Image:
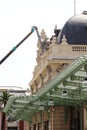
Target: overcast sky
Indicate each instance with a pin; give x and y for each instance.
(16, 19)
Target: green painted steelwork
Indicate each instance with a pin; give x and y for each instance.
(26, 107)
(70, 83)
(80, 78)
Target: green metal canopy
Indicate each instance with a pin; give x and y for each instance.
(69, 88)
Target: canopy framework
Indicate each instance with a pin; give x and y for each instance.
(66, 89)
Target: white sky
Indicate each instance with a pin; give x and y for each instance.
(16, 19)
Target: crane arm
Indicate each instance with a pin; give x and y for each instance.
(41, 44)
(15, 47)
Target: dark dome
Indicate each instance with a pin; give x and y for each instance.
(75, 30)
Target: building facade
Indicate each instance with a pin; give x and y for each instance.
(58, 87)
(64, 47)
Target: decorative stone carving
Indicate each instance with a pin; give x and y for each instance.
(49, 70)
(31, 88)
(36, 85)
(61, 66)
(41, 77)
(64, 40)
(43, 35)
(44, 42)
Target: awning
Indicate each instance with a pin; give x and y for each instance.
(69, 88)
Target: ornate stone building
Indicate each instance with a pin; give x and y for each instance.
(58, 97)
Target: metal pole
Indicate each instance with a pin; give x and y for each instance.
(74, 7)
(52, 117)
(81, 118)
(42, 119)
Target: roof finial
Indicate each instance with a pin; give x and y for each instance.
(74, 7)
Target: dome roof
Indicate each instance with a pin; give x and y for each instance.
(75, 30)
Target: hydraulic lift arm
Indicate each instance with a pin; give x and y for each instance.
(15, 47)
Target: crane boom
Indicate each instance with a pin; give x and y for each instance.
(15, 47)
(41, 44)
